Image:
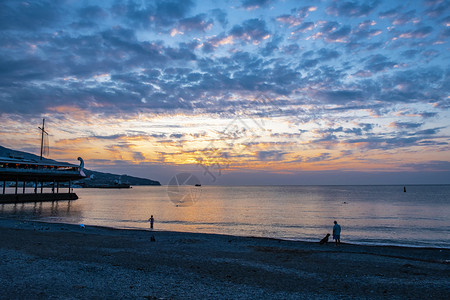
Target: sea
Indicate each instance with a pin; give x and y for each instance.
(371, 214)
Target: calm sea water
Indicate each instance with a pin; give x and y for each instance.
(367, 214)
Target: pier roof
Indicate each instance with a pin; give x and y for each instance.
(14, 169)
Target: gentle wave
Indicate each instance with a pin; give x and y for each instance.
(376, 215)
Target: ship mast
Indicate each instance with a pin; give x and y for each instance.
(42, 137)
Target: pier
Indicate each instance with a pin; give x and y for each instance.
(38, 173)
(16, 168)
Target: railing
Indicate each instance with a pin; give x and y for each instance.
(41, 170)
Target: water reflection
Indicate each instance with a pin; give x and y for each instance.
(55, 210)
(372, 214)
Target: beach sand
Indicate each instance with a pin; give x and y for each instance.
(61, 261)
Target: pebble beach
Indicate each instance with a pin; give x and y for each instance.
(62, 261)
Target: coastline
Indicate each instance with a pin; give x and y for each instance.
(47, 260)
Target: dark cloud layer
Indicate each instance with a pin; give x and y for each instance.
(54, 54)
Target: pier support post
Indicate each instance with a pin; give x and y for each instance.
(57, 187)
(17, 183)
(23, 188)
(4, 186)
(42, 187)
(35, 186)
(70, 182)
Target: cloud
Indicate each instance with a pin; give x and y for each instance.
(200, 22)
(147, 14)
(436, 8)
(92, 12)
(404, 18)
(433, 165)
(221, 16)
(273, 155)
(327, 54)
(363, 73)
(138, 156)
(426, 115)
(366, 24)
(173, 9)
(358, 131)
(297, 19)
(378, 63)
(333, 32)
(322, 157)
(391, 13)
(351, 9)
(432, 143)
(309, 63)
(339, 96)
(408, 86)
(365, 30)
(30, 15)
(406, 125)
(304, 27)
(419, 33)
(255, 4)
(176, 136)
(410, 54)
(88, 17)
(109, 137)
(385, 143)
(272, 46)
(251, 30)
(428, 132)
(291, 49)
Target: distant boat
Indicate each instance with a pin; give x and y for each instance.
(198, 184)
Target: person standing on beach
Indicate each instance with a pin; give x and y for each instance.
(337, 233)
(151, 220)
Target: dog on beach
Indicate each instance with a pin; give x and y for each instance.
(325, 239)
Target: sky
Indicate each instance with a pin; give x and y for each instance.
(235, 92)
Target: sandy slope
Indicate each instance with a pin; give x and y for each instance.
(42, 261)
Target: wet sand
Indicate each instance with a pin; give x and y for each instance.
(61, 261)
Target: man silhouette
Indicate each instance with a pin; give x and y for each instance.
(151, 220)
(337, 233)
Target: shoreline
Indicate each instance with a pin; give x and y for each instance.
(374, 244)
(43, 260)
(216, 235)
(228, 235)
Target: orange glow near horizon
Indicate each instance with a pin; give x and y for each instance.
(269, 144)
